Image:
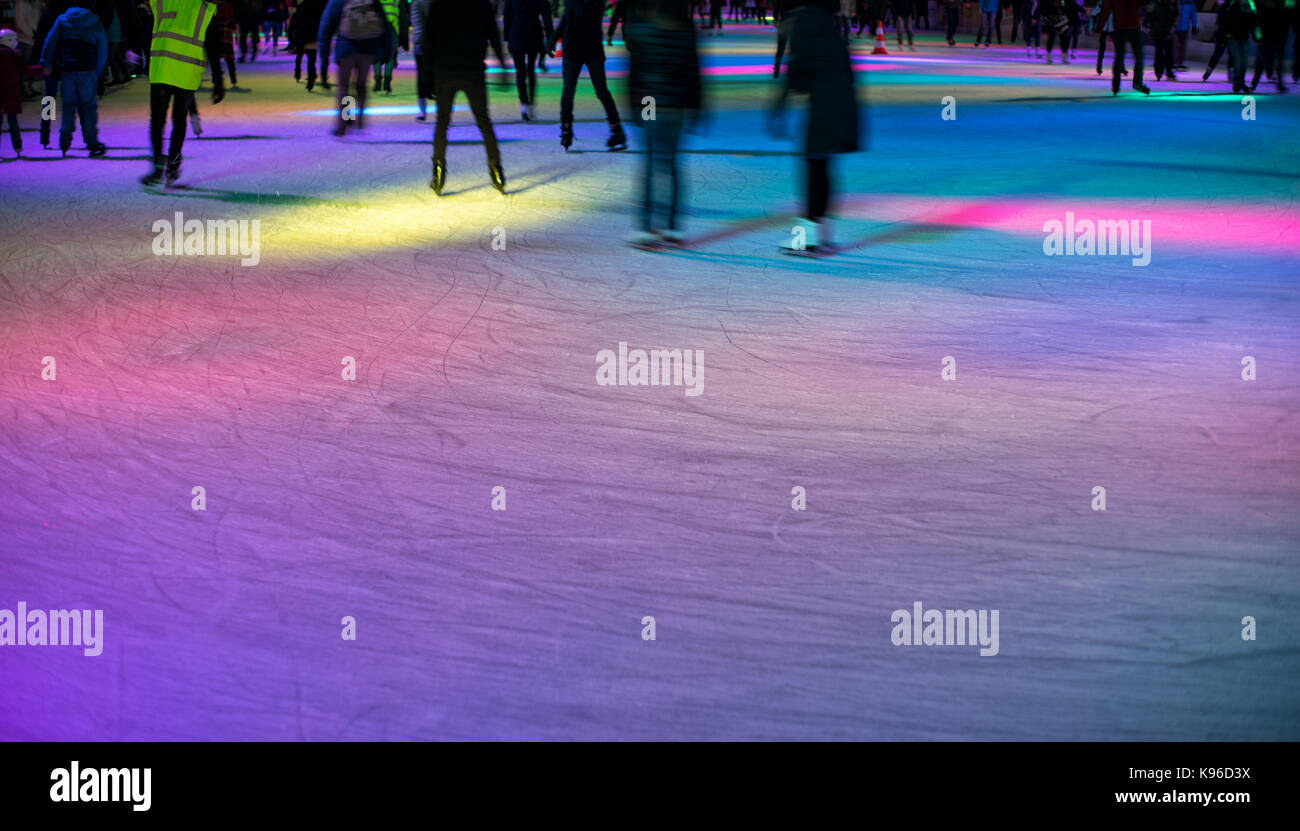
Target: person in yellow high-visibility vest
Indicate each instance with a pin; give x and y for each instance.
(183, 45)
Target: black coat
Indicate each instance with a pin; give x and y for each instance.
(305, 23)
(819, 66)
(527, 25)
(664, 63)
(581, 29)
(457, 34)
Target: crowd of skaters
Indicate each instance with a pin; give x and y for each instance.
(81, 49)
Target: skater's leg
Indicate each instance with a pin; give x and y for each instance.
(476, 91)
(819, 187)
(180, 112)
(1119, 39)
(530, 64)
(520, 60)
(596, 69)
(648, 177)
(671, 136)
(71, 93)
(311, 67)
(444, 95)
(159, 98)
(572, 68)
(15, 134)
(362, 71)
(88, 110)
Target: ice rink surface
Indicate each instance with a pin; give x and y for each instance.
(476, 368)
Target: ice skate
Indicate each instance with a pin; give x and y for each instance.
(617, 138)
(98, 150)
(498, 178)
(439, 176)
(196, 124)
(155, 176)
(566, 136)
(645, 240)
(805, 240)
(673, 237)
(173, 171)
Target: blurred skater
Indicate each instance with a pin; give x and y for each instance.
(363, 36)
(664, 65)
(528, 27)
(304, 26)
(819, 67)
(419, 14)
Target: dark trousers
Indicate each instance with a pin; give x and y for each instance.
(1063, 35)
(953, 13)
(1220, 46)
(1272, 46)
(986, 28)
(596, 69)
(1131, 38)
(900, 24)
(1238, 52)
(161, 96)
(1164, 59)
(79, 101)
(819, 186)
(422, 90)
(298, 52)
(1015, 21)
(474, 86)
(663, 137)
(1180, 47)
(1295, 48)
(246, 29)
(230, 66)
(525, 75)
(384, 68)
(1101, 49)
(355, 66)
(15, 135)
(1032, 30)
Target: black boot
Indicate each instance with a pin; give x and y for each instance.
(566, 135)
(439, 176)
(97, 150)
(45, 133)
(617, 138)
(173, 170)
(156, 175)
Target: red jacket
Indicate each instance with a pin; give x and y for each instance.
(1128, 13)
(11, 71)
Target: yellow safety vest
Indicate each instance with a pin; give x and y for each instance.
(176, 56)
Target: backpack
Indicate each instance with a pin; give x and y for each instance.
(361, 20)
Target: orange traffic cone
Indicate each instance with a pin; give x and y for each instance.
(559, 48)
(880, 39)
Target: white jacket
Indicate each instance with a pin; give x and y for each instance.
(27, 14)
